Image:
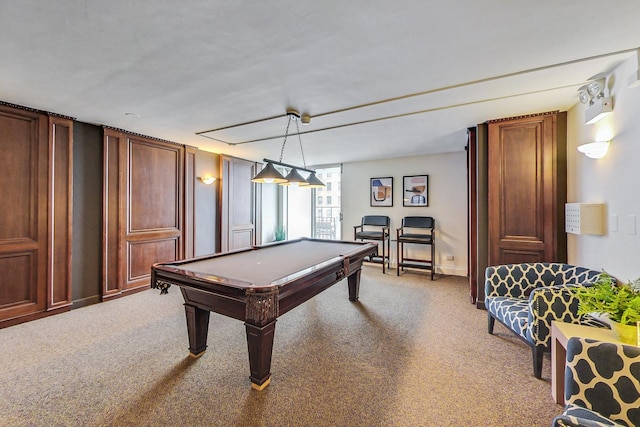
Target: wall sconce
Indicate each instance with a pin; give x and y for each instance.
(594, 150)
(593, 93)
(207, 179)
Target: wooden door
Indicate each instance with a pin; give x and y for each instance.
(527, 189)
(238, 225)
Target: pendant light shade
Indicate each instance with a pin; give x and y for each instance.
(269, 174)
(313, 181)
(294, 178)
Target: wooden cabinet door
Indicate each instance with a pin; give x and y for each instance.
(527, 189)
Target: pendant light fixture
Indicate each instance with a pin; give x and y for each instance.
(269, 174)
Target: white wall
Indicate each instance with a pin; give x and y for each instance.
(206, 203)
(270, 211)
(447, 202)
(613, 180)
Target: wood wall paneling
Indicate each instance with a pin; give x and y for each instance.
(61, 210)
(189, 202)
(526, 182)
(19, 285)
(113, 215)
(23, 228)
(35, 226)
(141, 253)
(144, 209)
(520, 192)
(472, 215)
(239, 210)
(153, 180)
(478, 216)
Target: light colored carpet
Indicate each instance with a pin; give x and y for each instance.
(411, 352)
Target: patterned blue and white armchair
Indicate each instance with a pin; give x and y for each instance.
(526, 298)
(601, 385)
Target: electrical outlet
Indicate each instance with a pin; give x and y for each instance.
(449, 257)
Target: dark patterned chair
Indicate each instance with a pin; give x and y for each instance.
(526, 298)
(602, 385)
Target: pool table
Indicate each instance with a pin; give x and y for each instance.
(257, 285)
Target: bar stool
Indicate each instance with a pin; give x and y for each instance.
(417, 230)
(375, 227)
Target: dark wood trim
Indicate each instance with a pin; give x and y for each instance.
(139, 135)
(472, 214)
(60, 211)
(33, 110)
(482, 214)
(526, 116)
(189, 202)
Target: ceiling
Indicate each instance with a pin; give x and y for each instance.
(380, 79)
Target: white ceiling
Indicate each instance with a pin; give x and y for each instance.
(184, 67)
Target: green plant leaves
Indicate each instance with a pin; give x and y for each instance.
(620, 302)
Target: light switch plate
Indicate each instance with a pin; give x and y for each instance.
(631, 224)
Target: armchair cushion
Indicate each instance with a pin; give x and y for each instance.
(575, 416)
(602, 382)
(513, 312)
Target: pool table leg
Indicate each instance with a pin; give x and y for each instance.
(198, 328)
(260, 345)
(354, 285)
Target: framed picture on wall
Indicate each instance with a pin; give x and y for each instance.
(415, 190)
(381, 191)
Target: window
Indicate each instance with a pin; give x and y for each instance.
(326, 221)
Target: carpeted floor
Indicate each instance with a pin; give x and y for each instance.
(411, 352)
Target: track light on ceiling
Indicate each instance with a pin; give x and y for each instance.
(593, 93)
(270, 174)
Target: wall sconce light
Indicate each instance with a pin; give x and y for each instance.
(594, 150)
(207, 179)
(593, 93)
